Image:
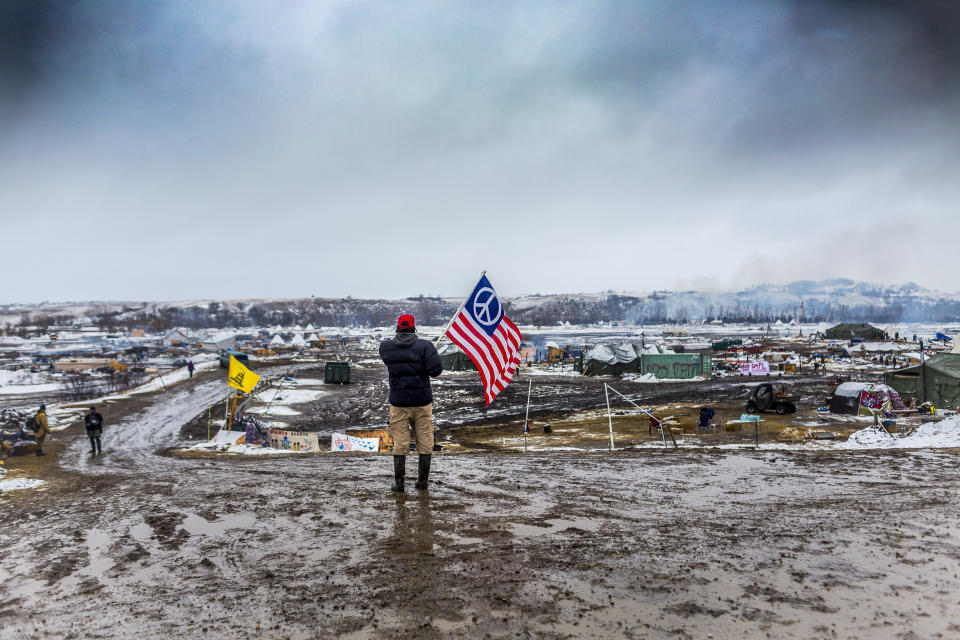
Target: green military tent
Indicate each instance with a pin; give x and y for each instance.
(454, 359)
(846, 331)
(936, 381)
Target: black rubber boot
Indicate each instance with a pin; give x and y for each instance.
(399, 469)
(423, 471)
(99, 448)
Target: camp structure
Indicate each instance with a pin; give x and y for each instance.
(937, 381)
(877, 348)
(676, 366)
(277, 341)
(554, 352)
(454, 358)
(847, 331)
(220, 342)
(860, 398)
(176, 338)
(609, 360)
(615, 360)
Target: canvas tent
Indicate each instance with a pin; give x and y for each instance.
(936, 381)
(454, 358)
(610, 360)
(846, 331)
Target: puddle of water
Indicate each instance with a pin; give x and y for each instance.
(97, 542)
(195, 525)
(20, 587)
(458, 539)
(555, 526)
(141, 532)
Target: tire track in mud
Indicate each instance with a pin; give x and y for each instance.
(132, 444)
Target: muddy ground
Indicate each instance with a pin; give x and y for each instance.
(649, 543)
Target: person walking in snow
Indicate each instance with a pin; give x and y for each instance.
(190, 368)
(93, 421)
(411, 362)
(43, 428)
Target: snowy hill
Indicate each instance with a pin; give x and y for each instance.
(823, 301)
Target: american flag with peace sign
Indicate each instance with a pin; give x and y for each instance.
(488, 337)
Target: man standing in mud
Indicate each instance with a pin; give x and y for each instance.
(93, 421)
(411, 362)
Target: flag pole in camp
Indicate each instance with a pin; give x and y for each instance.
(455, 314)
(286, 375)
(606, 392)
(526, 420)
(243, 380)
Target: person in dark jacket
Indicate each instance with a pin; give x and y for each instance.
(93, 421)
(411, 362)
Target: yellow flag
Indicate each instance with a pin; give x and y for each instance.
(239, 377)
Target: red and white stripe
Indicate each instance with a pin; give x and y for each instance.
(496, 357)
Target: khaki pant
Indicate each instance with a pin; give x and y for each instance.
(421, 419)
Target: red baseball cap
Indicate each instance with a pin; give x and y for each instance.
(406, 320)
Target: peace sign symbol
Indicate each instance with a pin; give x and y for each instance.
(481, 307)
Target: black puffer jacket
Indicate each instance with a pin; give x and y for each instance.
(410, 362)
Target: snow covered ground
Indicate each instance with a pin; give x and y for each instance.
(213, 446)
(15, 484)
(933, 435)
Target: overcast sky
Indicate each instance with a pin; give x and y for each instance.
(173, 150)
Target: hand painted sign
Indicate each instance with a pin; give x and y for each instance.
(343, 442)
(294, 440)
(754, 368)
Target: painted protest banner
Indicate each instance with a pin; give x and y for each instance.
(386, 442)
(343, 442)
(754, 368)
(293, 440)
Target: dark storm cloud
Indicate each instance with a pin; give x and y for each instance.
(146, 127)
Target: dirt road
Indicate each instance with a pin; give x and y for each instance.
(641, 544)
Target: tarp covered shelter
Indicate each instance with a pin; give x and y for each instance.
(858, 398)
(936, 381)
(454, 358)
(846, 331)
(610, 360)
